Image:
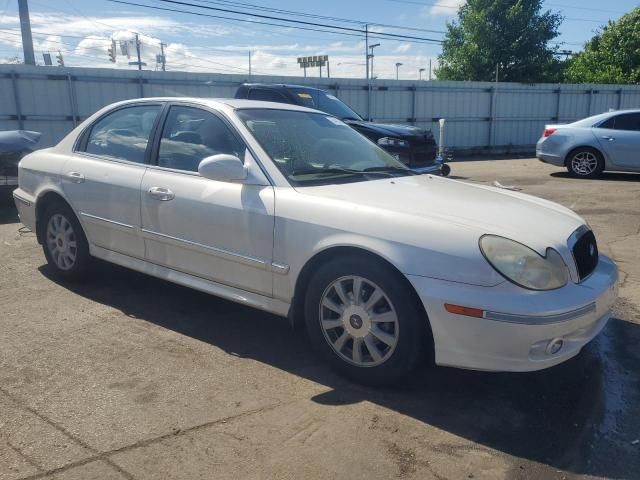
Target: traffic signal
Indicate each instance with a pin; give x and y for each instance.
(112, 52)
(60, 59)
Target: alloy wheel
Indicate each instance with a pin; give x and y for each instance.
(359, 321)
(61, 242)
(584, 163)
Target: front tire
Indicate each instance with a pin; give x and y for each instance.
(585, 163)
(362, 318)
(64, 243)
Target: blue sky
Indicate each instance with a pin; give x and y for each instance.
(82, 30)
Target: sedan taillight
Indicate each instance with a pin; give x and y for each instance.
(548, 131)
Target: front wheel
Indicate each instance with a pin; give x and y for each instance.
(445, 170)
(585, 163)
(364, 321)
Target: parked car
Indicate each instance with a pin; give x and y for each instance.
(14, 144)
(609, 141)
(413, 146)
(290, 210)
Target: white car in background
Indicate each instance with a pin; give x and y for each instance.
(290, 210)
(609, 141)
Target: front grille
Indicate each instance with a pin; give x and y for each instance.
(585, 254)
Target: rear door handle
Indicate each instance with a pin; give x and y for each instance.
(75, 177)
(161, 193)
(607, 137)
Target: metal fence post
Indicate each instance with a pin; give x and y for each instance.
(558, 98)
(413, 105)
(590, 92)
(140, 85)
(619, 99)
(16, 96)
(72, 100)
(492, 112)
(369, 101)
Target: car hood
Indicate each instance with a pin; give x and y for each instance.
(475, 208)
(387, 129)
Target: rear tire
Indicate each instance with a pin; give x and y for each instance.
(64, 242)
(375, 342)
(585, 162)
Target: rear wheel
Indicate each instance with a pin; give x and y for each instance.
(585, 163)
(64, 243)
(364, 321)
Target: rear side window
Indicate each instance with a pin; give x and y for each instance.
(627, 121)
(265, 95)
(123, 134)
(190, 135)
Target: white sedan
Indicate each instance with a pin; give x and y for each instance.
(291, 211)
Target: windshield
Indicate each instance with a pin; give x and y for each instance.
(323, 101)
(311, 148)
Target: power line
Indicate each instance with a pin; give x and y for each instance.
(289, 20)
(452, 7)
(317, 16)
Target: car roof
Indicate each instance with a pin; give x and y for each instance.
(280, 86)
(234, 103)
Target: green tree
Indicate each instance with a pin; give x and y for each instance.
(612, 55)
(513, 35)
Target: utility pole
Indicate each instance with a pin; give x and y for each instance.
(25, 27)
(371, 47)
(249, 63)
(429, 69)
(328, 74)
(138, 52)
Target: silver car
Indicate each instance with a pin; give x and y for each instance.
(609, 141)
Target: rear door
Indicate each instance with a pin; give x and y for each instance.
(102, 178)
(620, 139)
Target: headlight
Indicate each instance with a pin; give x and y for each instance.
(392, 142)
(522, 265)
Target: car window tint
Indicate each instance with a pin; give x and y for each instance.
(190, 135)
(123, 134)
(608, 123)
(628, 121)
(265, 95)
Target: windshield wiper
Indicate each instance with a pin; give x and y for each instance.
(389, 169)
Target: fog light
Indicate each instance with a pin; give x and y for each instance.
(554, 346)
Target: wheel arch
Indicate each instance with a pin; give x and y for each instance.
(590, 147)
(43, 200)
(302, 281)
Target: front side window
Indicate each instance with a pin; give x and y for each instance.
(123, 134)
(315, 148)
(190, 135)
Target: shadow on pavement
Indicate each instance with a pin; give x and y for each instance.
(606, 176)
(580, 416)
(8, 212)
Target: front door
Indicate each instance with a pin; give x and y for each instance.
(102, 178)
(220, 231)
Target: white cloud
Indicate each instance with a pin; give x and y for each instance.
(443, 7)
(402, 48)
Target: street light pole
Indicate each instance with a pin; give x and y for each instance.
(398, 65)
(370, 56)
(420, 73)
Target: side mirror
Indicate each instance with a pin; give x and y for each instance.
(222, 167)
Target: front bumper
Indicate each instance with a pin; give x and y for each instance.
(519, 324)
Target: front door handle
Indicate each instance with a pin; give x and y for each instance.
(161, 193)
(75, 177)
(607, 137)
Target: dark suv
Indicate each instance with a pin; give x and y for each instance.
(413, 146)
